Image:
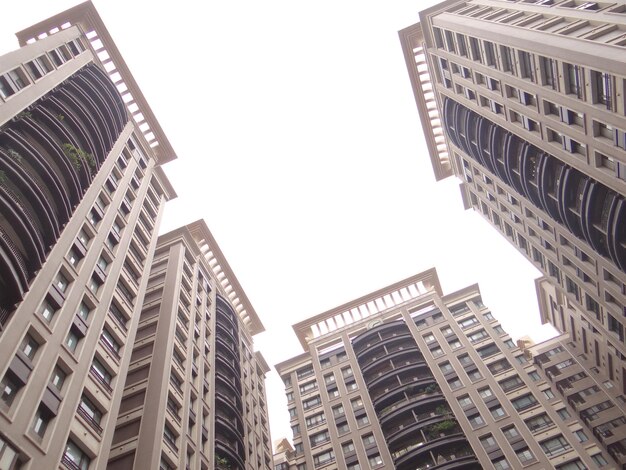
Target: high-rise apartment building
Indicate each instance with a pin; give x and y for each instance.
(194, 395)
(82, 194)
(579, 374)
(524, 101)
(407, 377)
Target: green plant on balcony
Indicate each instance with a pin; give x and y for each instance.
(78, 155)
(22, 115)
(3, 177)
(60, 117)
(442, 410)
(14, 155)
(432, 388)
(222, 462)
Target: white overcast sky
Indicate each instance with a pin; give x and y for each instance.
(299, 143)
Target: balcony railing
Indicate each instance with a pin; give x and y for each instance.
(109, 348)
(83, 413)
(98, 378)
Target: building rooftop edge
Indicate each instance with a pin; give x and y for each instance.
(86, 16)
(428, 277)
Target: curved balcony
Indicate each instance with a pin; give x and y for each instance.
(386, 346)
(593, 212)
(423, 409)
(392, 360)
(224, 449)
(42, 185)
(225, 328)
(384, 355)
(372, 336)
(396, 371)
(409, 392)
(227, 346)
(226, 403)
(417, 451)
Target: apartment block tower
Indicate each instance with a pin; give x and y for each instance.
(81, 197)
(577, 373)
(407, 377)
(194, 394)
(524, 101)
(82, 194)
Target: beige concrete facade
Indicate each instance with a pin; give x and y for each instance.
(579, 373)
(407, 377)
(84, 334)
(194, 395)
(524, 101)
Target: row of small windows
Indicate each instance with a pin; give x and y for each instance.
(532, 67)
(20, 77)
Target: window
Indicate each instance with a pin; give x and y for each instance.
(573, 79)
(319, 438)
(548, 394)
(338, 411)
(351, 386)
(521, 359)
(599, 459)
(29, 346)
(312, 402)
(362, 420)
(454, 344)
(602, 88)
(474, 375)
(485, 393)
(308, 387)
(292, 413)
(368, 440)
(375, 461)
(455, 383)
(75, 456)
(343, 428)
(429, 338)
(61, 282)
(573, 465)
(436, 351)
(501, 464)
(357, 403)
(555, 446)
(464, 401)
(563, 414)
(329, 379)
(508, 62)
(510, 433)
(47, 311)
(83, 311)
(478, 336)
(525, 455)
(476, 420)
(524, 402)
(468, 322)
(488, 441)
(40, 423)
(71, 341)
(465, 360)
(538, 423)
(446, 367)
(9, 386)
(315, 420)
(73, 257)
(90, 411)
(581, 436)
(347, 448)
(527, 66)
(58, 378)
(324, 458)
(497, 412)
(446, 331)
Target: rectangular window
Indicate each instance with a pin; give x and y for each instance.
(527, 66)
